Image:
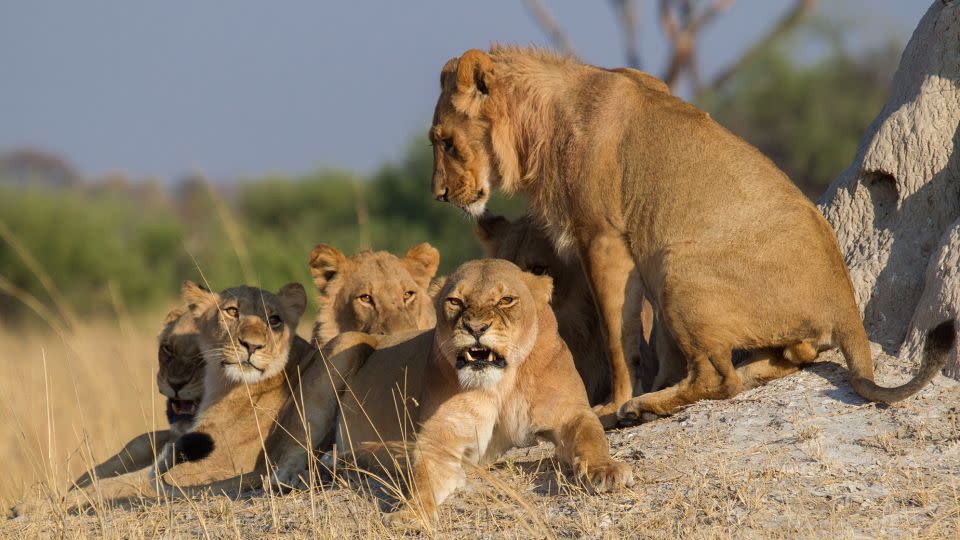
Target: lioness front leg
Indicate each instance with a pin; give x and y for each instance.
(459, 431)
(582, 445)
(322, 385)
(136, 455)
(607, 263)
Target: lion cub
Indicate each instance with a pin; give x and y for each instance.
(492, 375)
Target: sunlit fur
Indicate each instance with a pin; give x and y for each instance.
(237, 339)
(393, 387)
(732, 253)
(373, 291)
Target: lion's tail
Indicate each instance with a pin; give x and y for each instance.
(856, 350)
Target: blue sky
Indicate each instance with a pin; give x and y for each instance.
(243, 88)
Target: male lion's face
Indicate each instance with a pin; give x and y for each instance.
(487, 319)
(373, 292)
(246, 331)
(180, 372)
(463, 167)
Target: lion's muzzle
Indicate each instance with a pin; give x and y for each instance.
(478, 358)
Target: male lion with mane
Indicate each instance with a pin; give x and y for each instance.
(729, 251)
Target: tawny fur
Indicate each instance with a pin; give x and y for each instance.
(373, 291)
(730, 252)
(390, 386)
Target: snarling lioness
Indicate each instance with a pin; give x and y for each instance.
(730, 252)
(492, 375)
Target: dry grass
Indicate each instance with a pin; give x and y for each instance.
(801, 457)
(65, 397)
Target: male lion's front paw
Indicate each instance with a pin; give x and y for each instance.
(607, 413)
(608, 476)
(636, 412)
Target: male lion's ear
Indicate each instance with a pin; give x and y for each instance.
(294, 299)
(197, 298)
(326, 262)
(490, 231)
(541, 287)
(422, 261)
(474, 79)
(448, 74)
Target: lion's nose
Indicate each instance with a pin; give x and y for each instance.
(177, 386)
(476, 329)
(441, 196)
(251, 347)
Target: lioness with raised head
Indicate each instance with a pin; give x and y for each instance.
(492, 375)
(730, 252)
(373, 291)
(180, 380)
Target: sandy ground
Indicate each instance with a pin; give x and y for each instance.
(802, 457)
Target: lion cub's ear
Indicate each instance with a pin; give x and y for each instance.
(294, 300)
(174, 315)
(326, 262)
(541, 287)
(474, 80)
(422, 261)
(491, 230)
(197, 298)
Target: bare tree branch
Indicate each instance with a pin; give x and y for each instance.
(784, 25)
(627, 15)
(549, 25)
(682, 24)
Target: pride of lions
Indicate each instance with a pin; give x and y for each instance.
(657, 248)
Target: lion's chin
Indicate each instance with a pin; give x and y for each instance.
(479, 367)
(246, 372)
(476, 208)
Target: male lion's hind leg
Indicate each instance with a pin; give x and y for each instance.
(709, 376)
(765, 365)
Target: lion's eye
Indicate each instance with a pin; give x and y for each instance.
(275, 322)
(408, 295)
(232, 311)
(166, 350)
(538, 269)
(447, 145)
(365, 298)
(506, 301)
(455, 302)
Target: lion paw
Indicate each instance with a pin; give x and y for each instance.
(635, 412)
(405, 518)
(609, 476)
(607, 413)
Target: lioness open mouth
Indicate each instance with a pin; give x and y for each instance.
(180, 408)
(479, 357)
